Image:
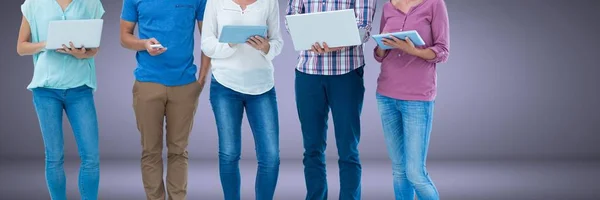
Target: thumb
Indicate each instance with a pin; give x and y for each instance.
(407, 39)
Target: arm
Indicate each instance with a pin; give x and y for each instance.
(274, 33)
(128, 39)
(204, 63)
(380, 54)
(294, 7)
(439, 52)
(24, 45)
(129, 17)
(365, 12)
(210, 44)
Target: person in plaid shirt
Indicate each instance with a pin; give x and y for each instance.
(332, 78)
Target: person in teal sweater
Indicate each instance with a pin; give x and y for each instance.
(63, 80)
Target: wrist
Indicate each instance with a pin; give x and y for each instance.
(415, 51)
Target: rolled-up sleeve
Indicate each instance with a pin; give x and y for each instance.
(365, 12)
(274, 32)
(381, 26)
(210, 44)
(441, 33)
(294, 7)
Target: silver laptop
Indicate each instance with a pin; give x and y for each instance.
(81, 32)
(336, 28)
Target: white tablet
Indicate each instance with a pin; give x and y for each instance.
(81, 32)
(336, 28)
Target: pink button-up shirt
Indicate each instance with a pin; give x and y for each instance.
(408, 77)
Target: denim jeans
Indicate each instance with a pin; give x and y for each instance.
(78, 103)
(406, 128)
(228, 107)
(343, 94)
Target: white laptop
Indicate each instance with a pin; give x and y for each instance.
(336, 28)
(81, 32)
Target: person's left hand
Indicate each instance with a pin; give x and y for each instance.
(259, 43)
(405, 45)
(79, 53)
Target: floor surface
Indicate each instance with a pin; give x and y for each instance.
(456, 180)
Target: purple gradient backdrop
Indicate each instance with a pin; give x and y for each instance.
(521, 83)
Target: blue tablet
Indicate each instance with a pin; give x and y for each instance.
(241, 34)
(412, 35)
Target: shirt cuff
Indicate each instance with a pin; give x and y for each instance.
(440, 55)
(380, 58)
(270, 55)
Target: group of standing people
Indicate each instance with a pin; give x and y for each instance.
(167, 90)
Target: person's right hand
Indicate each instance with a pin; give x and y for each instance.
(325, 49)
(154, 51)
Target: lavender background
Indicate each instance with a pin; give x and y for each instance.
(521, 83)
(516, 115)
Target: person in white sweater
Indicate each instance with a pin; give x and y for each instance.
(243, 80)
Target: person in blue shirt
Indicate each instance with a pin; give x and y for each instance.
(63, 80)
(166, 86)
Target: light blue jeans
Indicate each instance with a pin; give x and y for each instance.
(78, 103)
(406, 128)
(228, 107)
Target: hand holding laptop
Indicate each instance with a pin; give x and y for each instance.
(317, 48)
(79, 53)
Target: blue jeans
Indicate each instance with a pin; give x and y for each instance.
(78, 103)
(407, 127)
(343, 94)
(228, 107)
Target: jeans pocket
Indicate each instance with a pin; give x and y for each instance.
(360, 72)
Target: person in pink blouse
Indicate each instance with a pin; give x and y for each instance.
(406, 90)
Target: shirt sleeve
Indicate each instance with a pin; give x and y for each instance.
(441, 33)
(98, 10)
(274, 32)
(27, 9)
(381, 26)
(210, 44)
(200, 10)
(294, 7)
(130, 11)
(365, 12)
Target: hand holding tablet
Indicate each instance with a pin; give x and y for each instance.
(391, 40)
(241, 34)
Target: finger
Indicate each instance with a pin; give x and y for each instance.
(408, 41)
(256, 41)
(314, 49)
(396, 39)
(72, 46)
(66, 48)
(260, 39)
(318, 46)
(252, 43)
(83, 50)
(326, 47)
